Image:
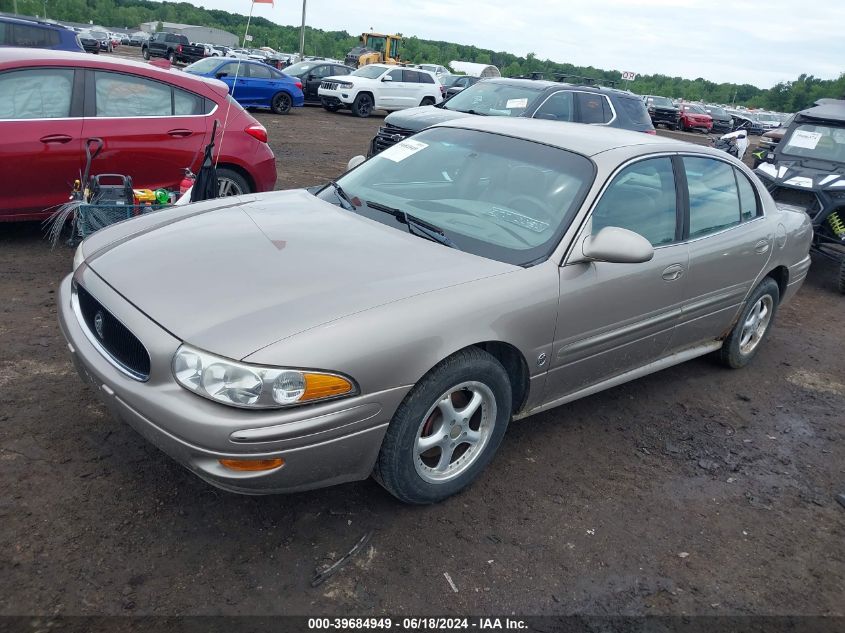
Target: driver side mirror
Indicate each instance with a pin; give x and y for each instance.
(221, 75)
(354, 162)
(387, 78)
(309, 77)
(617, 246)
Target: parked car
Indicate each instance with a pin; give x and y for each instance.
(114, 38)
(455, 83)
(662, 111)
(764, 153)
(807, 172)
(138, 39)
(743, 120)
(125, 39)
(529, 263)
(381, 87)
(37, 34)
(173, 47)
(223, 51)
(154, 122)
(527, 98)
(767, 120)
(252, 84)
(722, 121)
(438, 71)
(208, 49)
(693, 117)
(89, 42)
(311, 75)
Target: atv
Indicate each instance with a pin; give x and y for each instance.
(808, 172)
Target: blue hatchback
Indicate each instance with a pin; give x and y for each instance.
(38, 34)
(252, 84)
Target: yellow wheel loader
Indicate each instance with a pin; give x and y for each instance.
(375, 48)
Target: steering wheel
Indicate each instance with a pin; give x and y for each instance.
(533, 203)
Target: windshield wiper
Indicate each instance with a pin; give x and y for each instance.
(470, 111)
(345, 201)
(416, 226)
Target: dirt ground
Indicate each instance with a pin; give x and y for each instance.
(696, 490)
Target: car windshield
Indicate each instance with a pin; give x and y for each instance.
(661, 101)
(822, 142)
(450, 80)
(369, 72)
(694, 109)
(203, 66)
(499, 197)
(100, 35)
(714, 111)
(492, 98)
(768, 118)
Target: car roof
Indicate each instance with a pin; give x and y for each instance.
(827, 109)
(6, 18)
(587, 140)
(545, 84)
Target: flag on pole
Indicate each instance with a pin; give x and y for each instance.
(270, 2)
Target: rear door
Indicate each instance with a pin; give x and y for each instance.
(41, 126)
(613, 318)
(263, 84)
(152, 131)
(730, 243)
(593, 108)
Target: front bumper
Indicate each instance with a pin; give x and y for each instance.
(322, 444)
(339, 96)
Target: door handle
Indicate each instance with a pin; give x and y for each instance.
(56, 138)
(180, 133)
(762, 247)
(673, 272)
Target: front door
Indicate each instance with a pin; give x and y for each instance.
(152, 131)
(730, 243)
(393, 93)
(615, 317)
(311, 81)
(41, 154)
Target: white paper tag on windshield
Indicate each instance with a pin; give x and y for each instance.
(516, 103)
(401, 151)
(806, 140)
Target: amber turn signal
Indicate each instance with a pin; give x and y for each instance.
(318, 386)
(252, 465)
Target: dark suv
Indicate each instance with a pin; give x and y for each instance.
(37, 34)
(527, 98)
(662, 111)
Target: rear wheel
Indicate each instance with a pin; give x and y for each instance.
(363, 105)
(171, 57)
(447, 429)
(145, 53)
(231, 183)
(842, 275)
(281, 103)
(752, 327)
(427, 101)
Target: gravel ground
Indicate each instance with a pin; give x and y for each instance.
(697, 490)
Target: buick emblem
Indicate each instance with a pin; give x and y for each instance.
(98, 324)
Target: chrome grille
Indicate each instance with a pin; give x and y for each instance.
(388, 135)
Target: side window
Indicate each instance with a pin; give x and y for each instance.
(260, 71)
(558, 107)
(3, 34)
(231, 70)
(713, 195)
(634, 109)
(321, 71)
(396, 75)
(340, 70)
(33, 36)
(120, 95)
(748, 207)
(641, 199)
(425, 78)
(43, 93)
(593, 108)
(186, 103)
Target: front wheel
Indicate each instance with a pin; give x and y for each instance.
(231, 183)
(172, 57)
(752, 327)
(281, 103)
(146, 53)
(363, 105)
(447, 429)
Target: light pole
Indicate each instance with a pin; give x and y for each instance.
(301, 34)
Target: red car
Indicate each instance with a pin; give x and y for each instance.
(693, 117)
(154, 124)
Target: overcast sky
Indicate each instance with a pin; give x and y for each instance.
(760, 42)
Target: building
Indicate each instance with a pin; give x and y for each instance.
(204, 34)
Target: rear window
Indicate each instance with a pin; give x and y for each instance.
(31, 36)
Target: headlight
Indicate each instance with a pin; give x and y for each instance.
(254, 386)
(345, 84)
(78, 258)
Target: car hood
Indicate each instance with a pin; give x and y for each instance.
(419, 118)
(234, 279)
(808, 174)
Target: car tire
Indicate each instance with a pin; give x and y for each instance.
(753, 325)
(281, 103)
(231, 183)
(363, 105)
(842, 275)
(427, 101)
(146, 53)
(171, 57)
(415, 471)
